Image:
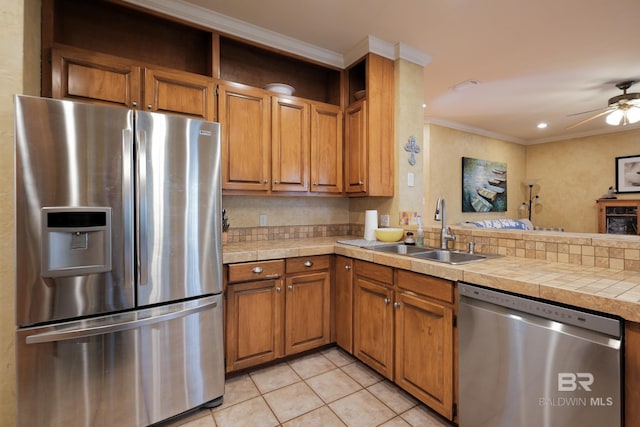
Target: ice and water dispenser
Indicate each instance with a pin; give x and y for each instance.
(75, 241)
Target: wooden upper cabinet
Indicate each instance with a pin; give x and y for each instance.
(356, 148)
(326, 148)
(177, 92)
(87, 76)
(244, 116)
(370, 129)
(289, 144)
(104, 79)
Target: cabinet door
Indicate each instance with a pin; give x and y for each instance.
(177, 92)
(373, 325)
(244, 116)
(307, 312)
(356, 148)
(86, 76)
(289, 145)
(424, 351)
(254, 323)
(344, 303)
(326, 148)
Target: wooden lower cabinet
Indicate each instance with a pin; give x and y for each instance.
(424, 351)
(632, 374)
(254, 323)
(343, 305)
(373, 316)
(271, 314)
(307, 304)
(403, 329)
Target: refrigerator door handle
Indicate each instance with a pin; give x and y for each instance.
(84, 332)
(127, 204)
(142, 210)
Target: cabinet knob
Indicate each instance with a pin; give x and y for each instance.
(347, 267)
(276, 182)
(315, 183)
(150, 106)
(290, 288)
(360, 182)
(308, 263)
(134, 103)
(257, 270)
(387, 301)
(266, 181)
(396, 304)
(278, 288)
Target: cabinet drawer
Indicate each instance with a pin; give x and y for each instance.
(379, 273)
(308, 263)
(429, 286)
(256, 271)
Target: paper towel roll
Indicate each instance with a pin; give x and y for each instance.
(370, 224)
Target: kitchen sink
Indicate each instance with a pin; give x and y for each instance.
(401, 248)
(450, 257)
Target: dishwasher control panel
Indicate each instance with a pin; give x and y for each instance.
(550, 311)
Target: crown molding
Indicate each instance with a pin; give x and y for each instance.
(235, 27)
(477, 131)
(413, 55)
(241, 29)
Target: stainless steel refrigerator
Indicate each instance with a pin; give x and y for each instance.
(118, 264)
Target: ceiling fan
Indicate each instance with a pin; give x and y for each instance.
(622, 109)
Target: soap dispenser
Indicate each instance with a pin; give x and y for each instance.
(420, 234)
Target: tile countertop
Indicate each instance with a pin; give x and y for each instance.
(606, 290)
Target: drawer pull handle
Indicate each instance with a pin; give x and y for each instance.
(272, 276)
(257, 270)
(308, 263)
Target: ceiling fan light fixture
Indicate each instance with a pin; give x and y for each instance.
(633, 114)
(615, 117)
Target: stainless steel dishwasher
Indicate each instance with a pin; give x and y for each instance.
(528, 363)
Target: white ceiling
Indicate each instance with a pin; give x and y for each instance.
(536, 60)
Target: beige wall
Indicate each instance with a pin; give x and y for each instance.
(574, 173)
(19, 73)
(445, 148)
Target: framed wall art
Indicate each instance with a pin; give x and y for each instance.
(628, 174)
(484, 186)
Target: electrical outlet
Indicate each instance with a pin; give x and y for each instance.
(384, 221)
(263, 220)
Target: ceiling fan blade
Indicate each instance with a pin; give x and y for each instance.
(588, 119)
(588, 111)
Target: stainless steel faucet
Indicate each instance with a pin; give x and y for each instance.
(446, 234)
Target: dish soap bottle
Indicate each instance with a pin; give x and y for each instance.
(420, 232)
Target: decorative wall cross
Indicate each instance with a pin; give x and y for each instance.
(412, 148)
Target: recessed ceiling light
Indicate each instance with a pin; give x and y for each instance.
(542, 125)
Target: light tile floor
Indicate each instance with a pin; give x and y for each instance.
(324, 389)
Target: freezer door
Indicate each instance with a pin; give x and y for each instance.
(132, 369)
(74, 210)
(179, 208)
